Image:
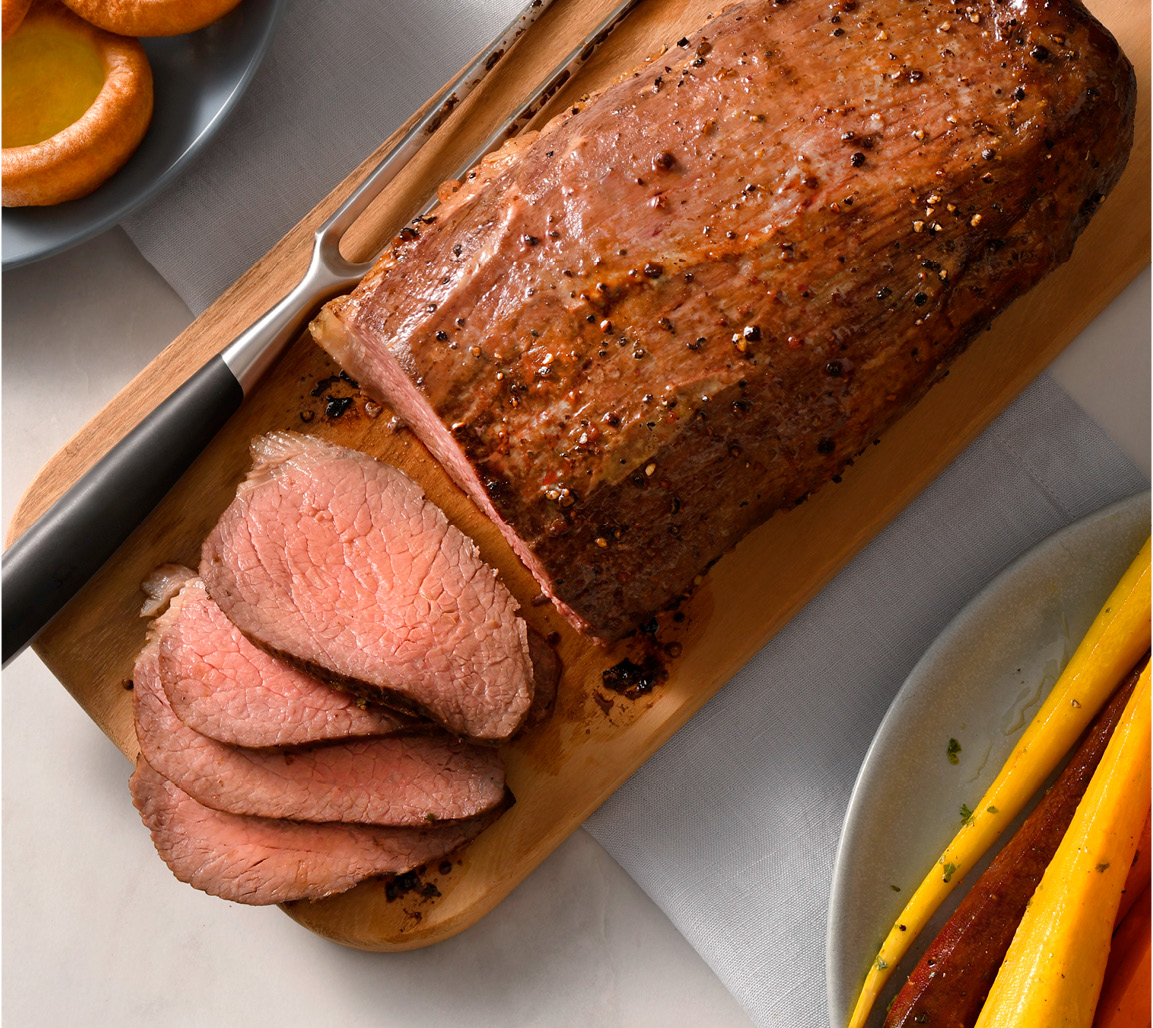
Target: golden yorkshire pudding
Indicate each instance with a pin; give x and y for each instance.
(11, 15)
(151, 17)
(77, 101)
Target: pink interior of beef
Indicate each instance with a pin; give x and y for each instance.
(264, 860)
(340, 564)
(397, 779)
(408, 403)
(224, 687)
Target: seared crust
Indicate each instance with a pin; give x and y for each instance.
(151, 17)
(88, 152)
(693, 300)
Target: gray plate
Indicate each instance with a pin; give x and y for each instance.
(198, 79)
(980, 682)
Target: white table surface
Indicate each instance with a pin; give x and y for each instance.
(97, 931)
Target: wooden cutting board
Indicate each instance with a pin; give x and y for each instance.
(561, 771)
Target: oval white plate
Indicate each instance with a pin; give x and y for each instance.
(979, 683)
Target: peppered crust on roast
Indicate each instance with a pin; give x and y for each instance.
(691, 301)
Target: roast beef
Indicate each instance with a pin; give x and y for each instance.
(262, 860)
(546, 671)
(161, 586)
(222, 686)
(691, 301)
(402, 779)
(338, 564)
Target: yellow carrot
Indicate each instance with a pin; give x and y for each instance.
(1053, 971)
(1115, 641)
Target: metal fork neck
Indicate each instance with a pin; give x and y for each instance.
(252, 352)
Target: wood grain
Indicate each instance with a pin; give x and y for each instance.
(563, 770)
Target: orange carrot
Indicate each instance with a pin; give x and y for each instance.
(1125, 998)
(951, 980)
(1114, 642)
(1055, 966)
(1138, 879)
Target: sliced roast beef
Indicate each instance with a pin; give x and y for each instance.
(693, 300)
(263, 860)
(401, 779)
(162, 586)
(546, 670)
(222, 686)
(337, 563)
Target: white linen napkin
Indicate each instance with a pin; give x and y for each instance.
(732, 826)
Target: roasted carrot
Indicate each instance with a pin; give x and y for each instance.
(1138, 880)
(1117, 638)
(1125, 1000)
(950, 982)
(1052, 973)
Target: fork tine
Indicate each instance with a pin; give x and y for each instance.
(58, 554)
(421, 131)
(344, 216)
(531, 107)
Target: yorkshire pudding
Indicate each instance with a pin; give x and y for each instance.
(151, 17)
(11, 15)
(76, 103)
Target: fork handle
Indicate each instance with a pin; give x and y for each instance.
(69, 543)
(58, 554)
(53, 559)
